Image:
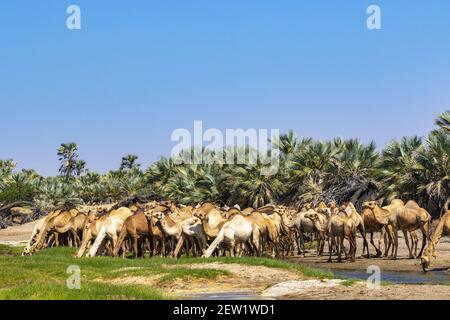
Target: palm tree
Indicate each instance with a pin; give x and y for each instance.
(350, 176)
(306, 173)
(286, 143)
(398, 168)
(443, 121)
(68, 156)
(80, 168)
(6, 171)
(249, 188)
(129, 162)
(433, 183)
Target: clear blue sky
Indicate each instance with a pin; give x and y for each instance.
(140, 69)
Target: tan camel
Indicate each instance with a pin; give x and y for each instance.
(212, 221)
(339, 227)
(135, 227)
(356, 217)
(407, 218)
(91, 230)
(311, 223)
(171, 228)
(158, 238)
(235, 232)
(372, 225)
(443, 228)
(109, 230)
(193, 232)
(41, 225)
(58, 224)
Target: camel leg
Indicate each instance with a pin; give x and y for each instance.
(134, 240)
(302, 243)
(362, 231)
(405, 233)
(373, 244)
(331, 245)
(299, 243)
(163, 247)
(395, 248)
(424, 243)
(178, 247)
(340, 246)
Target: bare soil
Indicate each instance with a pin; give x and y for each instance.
(244, 278)
(359, 291)
(17, 235)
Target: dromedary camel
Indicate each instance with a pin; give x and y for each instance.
(443, 228)
(372, 225)
(37, 229)
(136, 227)
(407, 218)
(193, 232)
(109, 230)
(237, 231)
(342, 226)
(356, 217)
(59, 224)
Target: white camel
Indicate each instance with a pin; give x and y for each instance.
(110, 229)
(235, 232)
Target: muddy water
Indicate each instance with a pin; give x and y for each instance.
(396, 277)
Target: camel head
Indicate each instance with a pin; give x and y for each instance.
(370, 205)
(26, 251)
(158, 215)
(425, 261)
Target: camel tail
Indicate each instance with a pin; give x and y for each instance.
(215, 244)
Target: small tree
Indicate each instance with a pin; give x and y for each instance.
(129, 162)
(68, 156)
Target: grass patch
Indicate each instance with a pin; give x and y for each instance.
(88, 291)
(349, 282)
(44, 275)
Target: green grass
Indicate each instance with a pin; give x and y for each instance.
(44, 275)
(350, 282)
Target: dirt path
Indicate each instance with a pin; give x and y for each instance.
(17, 235)
(359, 291)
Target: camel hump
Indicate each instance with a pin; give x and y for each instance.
(411, 204)
(397, 202)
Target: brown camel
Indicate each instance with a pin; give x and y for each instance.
(407, 218)
(443, 228)
(136, 227)
(342, 226)
(58, 224)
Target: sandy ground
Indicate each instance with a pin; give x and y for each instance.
(403, 263)
(359, 291)
(258, 280)
(17, 235)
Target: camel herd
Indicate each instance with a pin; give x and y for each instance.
(165, 229)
